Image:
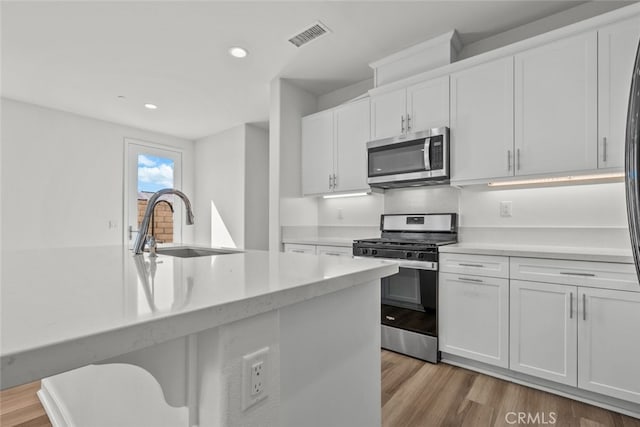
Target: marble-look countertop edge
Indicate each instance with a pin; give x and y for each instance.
(30, 364)
(546, 252)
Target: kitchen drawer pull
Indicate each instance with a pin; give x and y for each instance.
(390, 318)
(332, 253)
(298, 251)
(467, 279)
(567, 273)
(471, 265)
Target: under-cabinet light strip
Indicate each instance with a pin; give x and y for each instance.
(335, 196)
(553, 180)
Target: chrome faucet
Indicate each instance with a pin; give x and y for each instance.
(141, 239)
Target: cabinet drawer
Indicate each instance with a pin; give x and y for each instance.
(334, 250)
(300, 249)
(479, 265)
(583, 273)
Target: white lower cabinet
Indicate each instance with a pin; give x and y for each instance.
(544, 330)
(575, 323)
(300, 249)
(474, 317)
(578, 336)
(318, 249)
(334, 250)
(609, 343)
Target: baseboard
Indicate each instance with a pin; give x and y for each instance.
(612, 404)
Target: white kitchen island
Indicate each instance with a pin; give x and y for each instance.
(189, 322)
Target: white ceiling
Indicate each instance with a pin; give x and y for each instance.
(80, 56)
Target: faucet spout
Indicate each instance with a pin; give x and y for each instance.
(138, 246)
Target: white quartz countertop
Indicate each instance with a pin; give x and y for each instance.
(550, 252)
(66, 308)
(322, 241)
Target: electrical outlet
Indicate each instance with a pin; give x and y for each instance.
(257, 373)
(505, 209)
(255, 368)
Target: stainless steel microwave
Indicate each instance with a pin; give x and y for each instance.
(420, 158)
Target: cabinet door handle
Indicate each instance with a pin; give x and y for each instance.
(584, 306)
(332, 253)
(604, 149)
(518, 159)
(298, 251)
(568, 273)
(570, 305)
(468, 279)
(508, 160)
(471, 265)
(335, 181)
(390, 318)
(401, 124)
(330, 186)
(408, 123)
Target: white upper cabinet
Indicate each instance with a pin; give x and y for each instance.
(317, 153)
(351, 123)
(556, 106)
(424, 105)
(334, 155)
(617, 46)
(482, 121)
(428, 105)
(388, 111)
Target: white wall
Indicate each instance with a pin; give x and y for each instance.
(256, 215)
(439, 199)
(351, 211)
(62, 177)
(342, 95)
(286, 204)
(219, 162)
(596, 205)
(567, 17)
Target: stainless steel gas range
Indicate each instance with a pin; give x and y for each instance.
(410, 297)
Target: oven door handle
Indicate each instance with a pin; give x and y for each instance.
(402, 263)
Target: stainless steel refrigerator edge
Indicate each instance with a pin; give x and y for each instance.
(632, 162)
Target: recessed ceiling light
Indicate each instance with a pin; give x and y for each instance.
(238, 52)
(151, 106)
(122, 97)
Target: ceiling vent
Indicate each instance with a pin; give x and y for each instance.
(310, 33)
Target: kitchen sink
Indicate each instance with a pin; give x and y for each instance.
(191, 251)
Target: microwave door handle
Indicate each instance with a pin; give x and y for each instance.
(427, 154)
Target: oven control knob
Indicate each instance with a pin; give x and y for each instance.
(421, 255)
(409, 255)
(365, 251)
(373, 252)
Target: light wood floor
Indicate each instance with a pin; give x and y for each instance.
(414, 394)
(419, 394)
